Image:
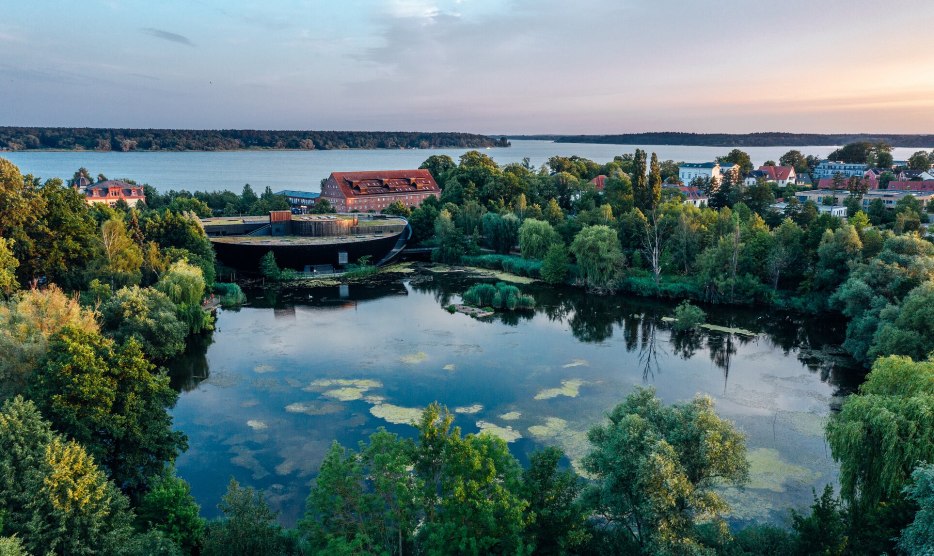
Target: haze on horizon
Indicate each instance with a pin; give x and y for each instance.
(486, 66)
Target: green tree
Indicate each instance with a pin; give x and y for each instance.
(453, 243)
(824, 530)
(560, 520)
(907, 329)
(367, 499)
(248, 527)
(8, 265)
(918, 538)
(500, 231)
(641, 194)
(54, 496)
(741, 159)
(112, 401)
(148, 316)
(184, 285)
(439, 166)
(837, 249)
(555, 265)
(797, 160)
(471, 490)
(170, 508)
(654, 190)
(27, 322)
(536, 237)
(656, 469)
(269, 268)
(599, 257)
(398, 208)
(919, 162)
(882, 433)
(121, 258)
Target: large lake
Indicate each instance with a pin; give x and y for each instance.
(304, 170)
(282, 378)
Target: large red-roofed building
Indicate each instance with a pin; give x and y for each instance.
(374, 191)
(112, 191)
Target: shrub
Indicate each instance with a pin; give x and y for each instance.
(501, 296)
(688, 317)
(230, 294)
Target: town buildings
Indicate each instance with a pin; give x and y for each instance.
(688, 171)
(828, 168)
(376, 190)
(889, 198)
(782, 175)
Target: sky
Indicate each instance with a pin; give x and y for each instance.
(484, 66)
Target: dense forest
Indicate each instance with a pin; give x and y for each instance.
(124, 140)
(93, 300)
(768, 139)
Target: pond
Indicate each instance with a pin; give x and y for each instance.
(281, 379)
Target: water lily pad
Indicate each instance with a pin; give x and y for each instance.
(569, 388)
(396, 414)
(508, 434)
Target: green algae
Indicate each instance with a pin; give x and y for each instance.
(344, 389)
(510, 416)
(257, 425)
(414, 358)
(555, 430)
(264, 368)
(507, 433)
(448, 367)
(576, 363)
(569, 388)
(469, 409)
(395, 414)
(768, 471)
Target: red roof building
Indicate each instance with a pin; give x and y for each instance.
(782, 175)
(599, 182)
(926, 185)
(374, 191)
(827, 183)
(112, 191)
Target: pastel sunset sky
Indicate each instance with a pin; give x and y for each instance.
(488, 66)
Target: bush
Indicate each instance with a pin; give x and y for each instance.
(230, 294)
(688, 317)
(507, 263)
(555, 266)
(501, 296)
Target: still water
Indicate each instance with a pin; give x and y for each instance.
(304, 170)
(282, 378)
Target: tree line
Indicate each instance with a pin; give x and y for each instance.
(768, 139)
(125, 140)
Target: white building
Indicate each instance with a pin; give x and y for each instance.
(688, 172)
(827, 169)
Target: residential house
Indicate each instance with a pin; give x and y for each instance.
(754, 177)
(926, 185)
(599, 183)
(688, 171)
(782, 175)
(376, 190)
(111, 192)
(888, 197)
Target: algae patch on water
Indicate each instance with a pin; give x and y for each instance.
(257, 425)
(555, 430)
(508, 434)
(768, 471)
(414, 358)
(469, 409)
(576, 363)
(448, 367)
(569, 388)
(511, 416)
(263, 368)
(343, 389)
(396, 414)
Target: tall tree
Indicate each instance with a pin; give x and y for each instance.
(640, 186)
(112, 400)
(599, 257)
(656, 469)
(248, 527)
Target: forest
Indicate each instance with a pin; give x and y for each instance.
(767, 139)
(126, 140)
(96, 299)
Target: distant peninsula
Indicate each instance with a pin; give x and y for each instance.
(768, 139)
(126, 140)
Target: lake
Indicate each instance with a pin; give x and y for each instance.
(304, 170)
(282, 378)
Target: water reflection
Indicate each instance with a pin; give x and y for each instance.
(251, 410)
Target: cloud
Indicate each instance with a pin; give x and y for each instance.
(165, 35)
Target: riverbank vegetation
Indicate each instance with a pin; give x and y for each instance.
(128, 140)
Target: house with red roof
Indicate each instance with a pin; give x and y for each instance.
(599, 183)
(925, 185)
(782, 175)
(376, 190)
(112, 191)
